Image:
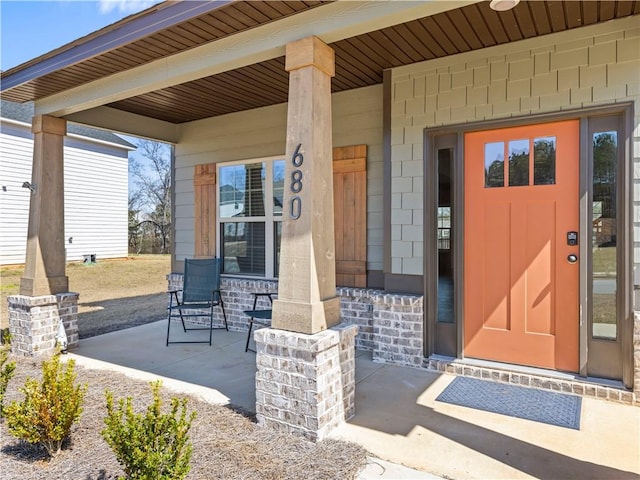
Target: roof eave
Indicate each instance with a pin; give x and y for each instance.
(123, 32)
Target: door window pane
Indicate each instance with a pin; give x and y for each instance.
(518, 163)
(494, 164)
(243, 247)
(242, 190)
(544, 161)
(605, 265)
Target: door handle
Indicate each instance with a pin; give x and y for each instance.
(572, 258)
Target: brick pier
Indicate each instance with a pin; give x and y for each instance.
(34, 322)
(305, 384)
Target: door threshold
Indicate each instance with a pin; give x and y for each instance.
(545, 379)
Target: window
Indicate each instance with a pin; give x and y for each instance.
(519, 164)
(250, 216)
(604, 235)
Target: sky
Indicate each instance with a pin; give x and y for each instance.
(29, 29)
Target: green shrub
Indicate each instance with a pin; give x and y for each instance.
(154, 446)
(7, 370)
(49, 408)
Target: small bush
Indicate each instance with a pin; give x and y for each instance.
(154, 446)
(7, 370)
(49, 408)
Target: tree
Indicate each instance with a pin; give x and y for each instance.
(150, 198)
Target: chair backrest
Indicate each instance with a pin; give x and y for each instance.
(201, 277)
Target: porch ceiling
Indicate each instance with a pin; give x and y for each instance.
(360, 60)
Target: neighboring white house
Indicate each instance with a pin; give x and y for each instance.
(96, 188)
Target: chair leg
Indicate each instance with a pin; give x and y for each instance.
(168, 327)
(210, 325)
(224, 314)
(184, 327)
(246, 347)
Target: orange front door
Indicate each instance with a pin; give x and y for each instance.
(520, 279)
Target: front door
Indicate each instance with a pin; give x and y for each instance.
(521, 266)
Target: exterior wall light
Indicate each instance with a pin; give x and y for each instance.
(30, 186)
(503, 5)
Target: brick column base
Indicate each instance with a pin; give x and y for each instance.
(34, 322)
(305, 384)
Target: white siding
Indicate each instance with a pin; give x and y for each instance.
(96, 197)
(357, 119)
(15, 147)
(597, 65)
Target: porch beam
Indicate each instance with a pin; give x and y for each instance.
(115, 120)
(44, 272)
(331, 22)
(307, 301)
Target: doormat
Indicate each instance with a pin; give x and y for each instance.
(560, 409)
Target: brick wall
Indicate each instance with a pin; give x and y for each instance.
(389, 325)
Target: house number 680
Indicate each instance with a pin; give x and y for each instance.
(295, 206)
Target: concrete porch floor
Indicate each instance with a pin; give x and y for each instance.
(397, 418)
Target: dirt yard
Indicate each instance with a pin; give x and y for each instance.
(114, 293)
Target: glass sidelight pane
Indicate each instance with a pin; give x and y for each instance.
(604, 221)
(494, 164)
(445, 236)
(544, 161)
(518, 163)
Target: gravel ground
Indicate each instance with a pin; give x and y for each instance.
(226, 444)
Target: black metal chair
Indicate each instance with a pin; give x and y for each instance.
(201, 291)
(262, 317)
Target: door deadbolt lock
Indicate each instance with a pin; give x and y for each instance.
(572, 258)
(572, 239)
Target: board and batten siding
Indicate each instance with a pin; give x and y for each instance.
(589, 66)
(357, 119)
(95, 200)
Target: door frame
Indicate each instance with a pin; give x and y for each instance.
(453, 135)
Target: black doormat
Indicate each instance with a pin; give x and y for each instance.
(542, 406)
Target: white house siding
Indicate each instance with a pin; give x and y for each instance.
(16, 145)
(96, 196)
(357, 119)
(95, 200)
(590, 66)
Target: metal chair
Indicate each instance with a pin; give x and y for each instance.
(262, 317)
(201, 291)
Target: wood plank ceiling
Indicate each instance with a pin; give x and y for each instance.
(360, 60)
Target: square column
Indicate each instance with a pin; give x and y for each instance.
(307, 301)
(44, 272)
